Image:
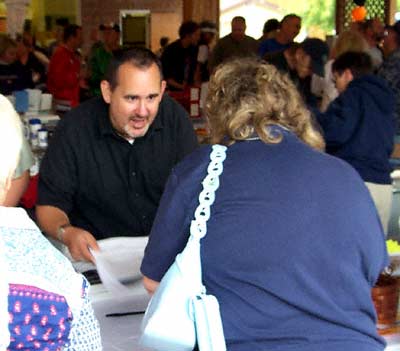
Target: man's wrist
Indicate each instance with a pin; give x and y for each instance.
(61, 231)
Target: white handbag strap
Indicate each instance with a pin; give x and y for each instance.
(198, 227)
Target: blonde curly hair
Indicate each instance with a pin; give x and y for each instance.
(247, 95)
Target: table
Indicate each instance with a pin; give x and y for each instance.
(122, 333)
(119, 333)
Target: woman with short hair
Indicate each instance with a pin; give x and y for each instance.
(293, 243)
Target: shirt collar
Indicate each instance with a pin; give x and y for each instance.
(106, 128)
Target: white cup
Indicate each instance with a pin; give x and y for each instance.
(46, 102)
(34, 96)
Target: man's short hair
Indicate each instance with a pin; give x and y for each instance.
(164, 41)
(62, 22)
(239, 18)
(289, 16)
(138, 57)
(359, 64)
(71, 31)
(187, 28)
(271, 25)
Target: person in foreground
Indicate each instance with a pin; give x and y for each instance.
(44, 303)
(107, 164)
(293, 244)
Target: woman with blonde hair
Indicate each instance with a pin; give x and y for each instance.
(293, 242)
(44, 303)
(349, 40)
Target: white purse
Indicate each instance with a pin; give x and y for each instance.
(180, 314)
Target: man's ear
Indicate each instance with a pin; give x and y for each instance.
(106, 91)
(163, 86)
(348, 75)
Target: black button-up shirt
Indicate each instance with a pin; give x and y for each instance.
(105, 184)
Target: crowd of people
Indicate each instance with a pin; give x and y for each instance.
(125, 161)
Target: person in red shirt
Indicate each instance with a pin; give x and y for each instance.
(63, 78)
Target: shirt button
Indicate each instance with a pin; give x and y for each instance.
(134, 174)
(143, 217)
(137, 195)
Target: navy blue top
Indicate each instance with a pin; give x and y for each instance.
(359, 127)
(293, 246)
(269, 46)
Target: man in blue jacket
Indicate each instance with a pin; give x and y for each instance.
(359, 126)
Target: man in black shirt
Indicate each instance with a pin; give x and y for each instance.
(179, 59)
(105, 169)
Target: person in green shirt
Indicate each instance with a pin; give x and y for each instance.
(101, 57)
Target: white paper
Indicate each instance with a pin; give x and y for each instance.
(118, 263)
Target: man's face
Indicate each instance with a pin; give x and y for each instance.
(342, 80)
(195, 37)
(78, 39)
(135, 100)
(238, 30)
(291, 28)
(111, 39)
(208, 37)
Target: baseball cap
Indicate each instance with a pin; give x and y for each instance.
(208, 27)
(109, 26)
(318, 50)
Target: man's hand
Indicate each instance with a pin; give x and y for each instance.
(78, 242)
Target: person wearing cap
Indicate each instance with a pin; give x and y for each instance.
(288, 30)
(235, 44)
(99, 60)
(390, 69)
(208, 31)
(285, 61)
(310, 59)
(359, 126)
(179, 58)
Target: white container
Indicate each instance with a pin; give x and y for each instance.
(34, 125)
(46, 102)
(42, 138)
(34, 98)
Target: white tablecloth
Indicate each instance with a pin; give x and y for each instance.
(122, 333)
(119, 333)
